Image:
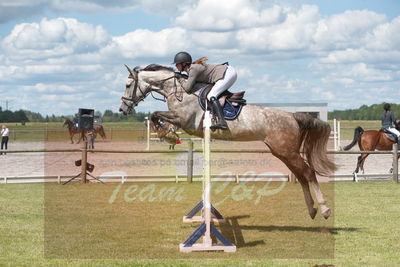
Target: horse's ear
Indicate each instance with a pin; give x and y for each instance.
(130, 71)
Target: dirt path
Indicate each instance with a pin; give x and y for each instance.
(37, 164)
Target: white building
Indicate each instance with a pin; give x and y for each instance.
(318, 110)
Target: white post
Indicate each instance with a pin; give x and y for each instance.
(338, 137)
(207, 179)
(148, 133)
(395, 165)
(334, 135)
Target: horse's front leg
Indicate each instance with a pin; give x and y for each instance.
(169, 116)
(80, 137)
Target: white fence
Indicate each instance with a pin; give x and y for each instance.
(189, 176)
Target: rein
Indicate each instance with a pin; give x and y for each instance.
(143, 95)
(135, 88)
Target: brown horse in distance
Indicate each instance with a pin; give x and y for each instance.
(98, 129)
(166, 131)
(369, 141)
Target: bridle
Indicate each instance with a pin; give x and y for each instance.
(134, 74)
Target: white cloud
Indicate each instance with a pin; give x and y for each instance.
(51, 88)
(244, 72)
(385, 36)
(280, 84)
(292, 34)
(351, 74)
(53, 58)
(16, 9)
(226, 15)
(369, 74)
(53, 38)
(213, 40)
(319, 93)
(145, 43)
(346, 30)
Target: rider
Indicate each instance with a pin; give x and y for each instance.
(221, 75)
(388, 120)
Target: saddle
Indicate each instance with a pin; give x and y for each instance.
(391, 136)
(232, 103)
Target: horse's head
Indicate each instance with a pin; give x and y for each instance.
(65, 122)
(130, 98)
(141, 82)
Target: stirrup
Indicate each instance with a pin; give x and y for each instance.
(219, 126)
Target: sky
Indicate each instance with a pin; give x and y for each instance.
(57, 56)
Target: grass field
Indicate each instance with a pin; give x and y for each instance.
(35, 131)
(120, 131)
(140, 225)
(347, 127)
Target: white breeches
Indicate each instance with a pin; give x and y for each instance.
(394, 130)
(224, 84)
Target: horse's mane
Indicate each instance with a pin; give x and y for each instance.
(156, 67)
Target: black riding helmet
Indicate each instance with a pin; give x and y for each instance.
(182, 57)
(386, 106)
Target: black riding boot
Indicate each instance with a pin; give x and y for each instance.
(217, 109)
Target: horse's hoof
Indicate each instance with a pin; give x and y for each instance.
(326, 213)
(313, 212)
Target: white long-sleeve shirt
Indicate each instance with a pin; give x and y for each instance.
(4, 132)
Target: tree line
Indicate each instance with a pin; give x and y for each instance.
(21, 116)
(13, 116)
(372, 112)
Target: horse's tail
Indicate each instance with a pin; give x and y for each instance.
(357, 137)
(314, 136)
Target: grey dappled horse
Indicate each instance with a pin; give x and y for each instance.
(285, 133)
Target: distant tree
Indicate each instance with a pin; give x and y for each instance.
(29, 116)
(33, 116)
(107, 113)
(20, 116)
(372, 112)
(9, 116)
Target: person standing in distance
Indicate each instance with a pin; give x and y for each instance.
(4, 138)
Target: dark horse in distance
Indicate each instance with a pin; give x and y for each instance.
(98, 129)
